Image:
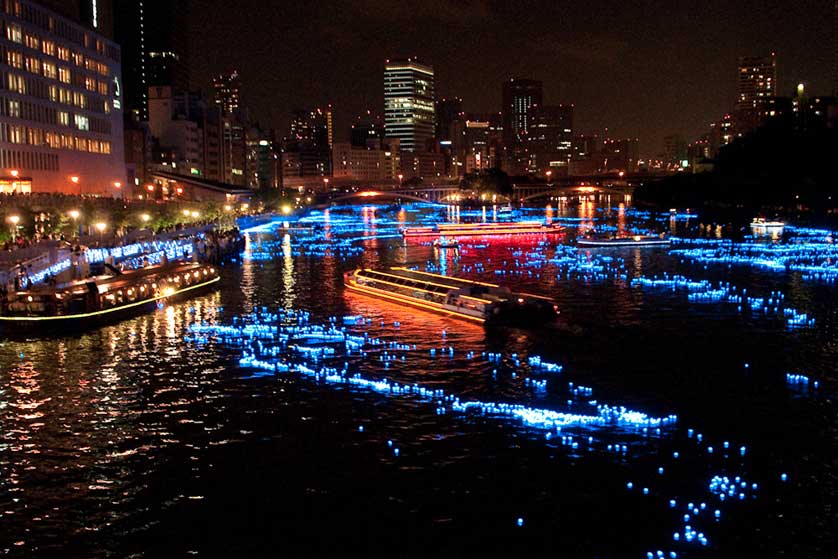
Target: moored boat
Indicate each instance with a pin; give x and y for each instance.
(442, 242)
(765, 226)
(91, 302)
(461, 298)
(632, 241)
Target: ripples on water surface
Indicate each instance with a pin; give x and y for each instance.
(145, 439)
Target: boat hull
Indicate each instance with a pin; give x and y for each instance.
(615, 244)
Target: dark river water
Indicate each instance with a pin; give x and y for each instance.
(150, 438)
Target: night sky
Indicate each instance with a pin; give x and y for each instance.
(642, 69)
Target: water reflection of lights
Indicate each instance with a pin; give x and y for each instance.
(248, 281)
(286, 342)
(289, 281)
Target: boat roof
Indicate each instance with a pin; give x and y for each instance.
(111, 281)
(448, 281)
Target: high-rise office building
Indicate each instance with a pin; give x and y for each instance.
(674, 150)
(757, 81)
(227, 92)
(584, 147)
(309, 142)
(550, 137)
(620, 154)
(152, 34)
(95, 14)
(519, 98)
(60, 105)
(367, 131)
(409, 103)
(447, 111)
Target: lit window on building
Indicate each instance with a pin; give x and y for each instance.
(14, 59)
(50, 71)
(14, 33)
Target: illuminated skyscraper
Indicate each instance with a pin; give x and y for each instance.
(519, 98)
(227, 92)
(757, 81)
(409, 103)
(550, 137)
(153, 37)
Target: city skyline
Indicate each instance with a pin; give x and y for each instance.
(647, 74)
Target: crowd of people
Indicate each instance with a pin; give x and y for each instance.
(218, 246)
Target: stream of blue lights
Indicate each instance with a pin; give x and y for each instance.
(341, 352)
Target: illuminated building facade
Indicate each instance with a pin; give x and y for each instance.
(61, 126)
(550, 138)
(519, 98)
(227, 92)
(409, 103)
(757, 83)
(309, 139)
(358, 163)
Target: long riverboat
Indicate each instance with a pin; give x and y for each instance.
(482, 229)
(101, 299)
(632, 241)
(460, 298)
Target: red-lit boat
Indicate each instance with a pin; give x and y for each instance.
(483, 229)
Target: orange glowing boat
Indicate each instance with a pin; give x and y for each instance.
(482, 229)
(460, 298)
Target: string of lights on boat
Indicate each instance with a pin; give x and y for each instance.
(131, 255)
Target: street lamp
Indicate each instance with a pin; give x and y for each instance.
(101, 226)
(14, 220)
(14, 173)
(145, 218)
(186, 213)
(401, 176)
(75, 215)
(195, 215)
(76, 180)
